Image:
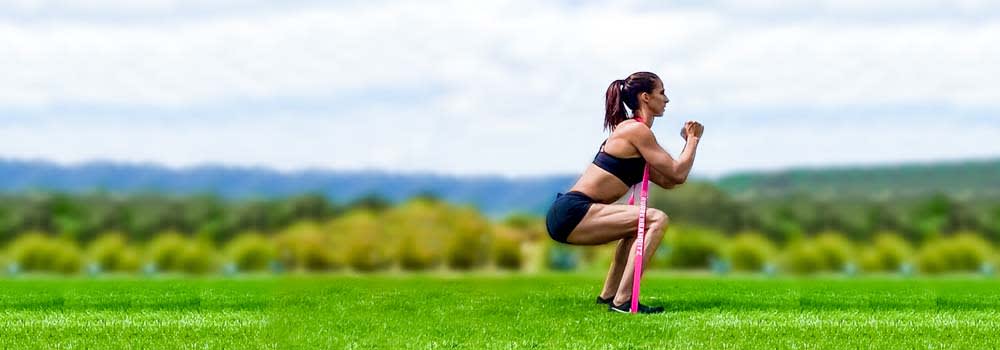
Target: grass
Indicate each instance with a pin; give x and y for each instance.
(502, 312)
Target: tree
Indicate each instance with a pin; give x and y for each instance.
(310, 206)
(371, 201)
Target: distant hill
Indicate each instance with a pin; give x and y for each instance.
(494, 195)
(972, 178)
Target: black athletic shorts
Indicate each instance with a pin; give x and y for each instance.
(566, 212)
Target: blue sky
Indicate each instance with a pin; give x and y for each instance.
(505, 87)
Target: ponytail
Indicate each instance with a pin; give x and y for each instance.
(625, 93)
(614, 107)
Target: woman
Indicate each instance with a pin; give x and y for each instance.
(586, 216)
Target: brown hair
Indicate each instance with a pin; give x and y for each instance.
(625, 92)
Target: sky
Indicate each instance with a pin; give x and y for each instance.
(512, 88)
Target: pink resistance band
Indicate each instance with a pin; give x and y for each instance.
(641, 234)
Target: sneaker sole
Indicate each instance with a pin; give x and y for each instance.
(626, 311)
(629, 310)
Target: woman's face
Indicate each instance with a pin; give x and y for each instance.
(658, 100)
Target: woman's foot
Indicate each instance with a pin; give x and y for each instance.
(627, 308)
(605, 301)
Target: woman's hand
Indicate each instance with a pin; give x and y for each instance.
(692, 128)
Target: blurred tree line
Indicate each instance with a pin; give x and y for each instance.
(709, 229)
(201, 234)
(968, 178)
(798, 215)
(82, 217)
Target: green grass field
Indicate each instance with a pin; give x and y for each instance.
(503, 312)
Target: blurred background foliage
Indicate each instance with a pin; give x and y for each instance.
(797, 233)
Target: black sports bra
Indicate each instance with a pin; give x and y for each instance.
(629, 170)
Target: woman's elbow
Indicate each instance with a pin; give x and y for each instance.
(680, 179)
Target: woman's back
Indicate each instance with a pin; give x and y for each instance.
(600, 183)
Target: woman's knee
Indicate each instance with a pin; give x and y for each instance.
(657, 216)
(658, 220)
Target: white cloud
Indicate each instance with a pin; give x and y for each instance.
(499, 87)
(329, 51)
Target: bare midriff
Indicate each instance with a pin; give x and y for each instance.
(600, 185)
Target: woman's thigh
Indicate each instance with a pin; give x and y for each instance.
(606, 223)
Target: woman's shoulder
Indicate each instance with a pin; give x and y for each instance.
(630, 128)
(628, 133)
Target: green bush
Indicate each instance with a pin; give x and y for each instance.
(964, 251)
(360, 240)
(170, 251)
(68, 258)
(165, 251)
(365, 255)
(835, 249)
(420, 228)
(198, 257)
(749, 251)
(803, 257)
(691, 247)
(111, 252)
(31, 251)
(250, 251)
(930, 258)
(305, 247)
(887, 252)
(506, 250)
(530, 228)
(468, 244)
(417, 254)
(37, 252)
(969, 251)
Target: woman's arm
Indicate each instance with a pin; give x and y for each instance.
(667, 171)
(658, 178)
